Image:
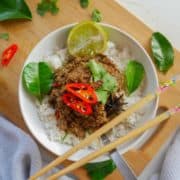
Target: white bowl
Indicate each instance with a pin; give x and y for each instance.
(58, 39)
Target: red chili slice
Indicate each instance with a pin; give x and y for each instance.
(84, 91)
(77, 104)
(8, 54)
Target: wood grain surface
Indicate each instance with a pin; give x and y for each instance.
(27, 33)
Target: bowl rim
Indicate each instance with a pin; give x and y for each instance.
(140, 140)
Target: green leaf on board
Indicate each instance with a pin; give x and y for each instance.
(96, 15)
(84, 3)
(4, 36)
(14, 9)
(162, 50)
(47, 6)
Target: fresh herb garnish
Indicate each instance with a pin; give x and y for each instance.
(84, 3)
(98, 171)
(96, 15)
(134, 74)
(4, 36)
(109, 82)
(64, 137)
(97, 70)
(162, 50)
(38, 79)
(102, 95)
(47, 6)
(11, 9)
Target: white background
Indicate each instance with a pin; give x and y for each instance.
(159, 15)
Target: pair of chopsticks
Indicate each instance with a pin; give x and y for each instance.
(134, 133)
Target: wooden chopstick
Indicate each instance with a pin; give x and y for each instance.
(132, 134)
(102, 130)
(96, 134)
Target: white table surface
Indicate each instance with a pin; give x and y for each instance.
(160, 15)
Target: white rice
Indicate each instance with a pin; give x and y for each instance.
(46, 112)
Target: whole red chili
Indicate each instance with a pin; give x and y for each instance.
(84, 91)
(77, 104)
(8, 54)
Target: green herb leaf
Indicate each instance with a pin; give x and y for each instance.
(4, 36)
(14, 9)
(47, 6)
(98, 171)
(102, 95)
(163, 52)
(109, 82)
(37, 79)
(64, 137)
(97, 70)
(134, 74)
(96, 15)
(84, 3)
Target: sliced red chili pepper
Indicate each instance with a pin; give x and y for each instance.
(8, 54)
(77, 104)
(84, 91)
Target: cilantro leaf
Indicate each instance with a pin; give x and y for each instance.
(102, 95)
(84, 3)
(96, 15)
(4, 36)
(97, 70)
(47, 6)
(109, 82)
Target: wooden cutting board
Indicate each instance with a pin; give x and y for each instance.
(27, 33)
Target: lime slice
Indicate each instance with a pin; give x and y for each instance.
(87, 39)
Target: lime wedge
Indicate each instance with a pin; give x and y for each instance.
(87, 39)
